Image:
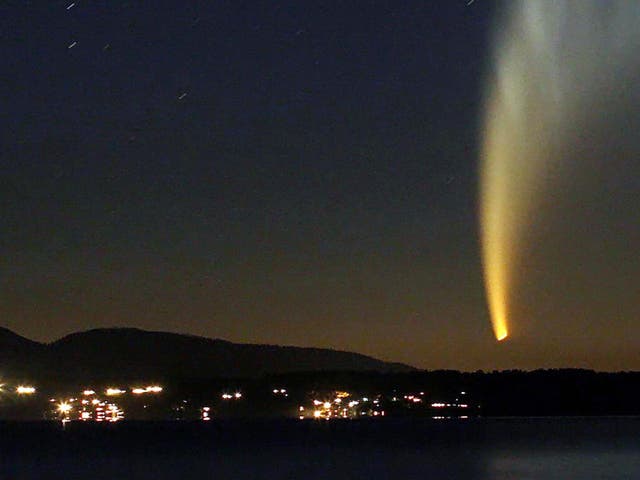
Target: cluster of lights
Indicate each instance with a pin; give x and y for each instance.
(89, 410)
(112, 392)
(150, 389)
(25, 390)
(205, 414)
(449, 405)
(103, 411)
(89, 407)
(341, 406)
(281, 392)
(413, 398)
(229, 396)
(442, 417)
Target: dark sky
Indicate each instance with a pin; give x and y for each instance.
(272, 172)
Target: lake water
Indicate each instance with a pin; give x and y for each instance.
(500, 449)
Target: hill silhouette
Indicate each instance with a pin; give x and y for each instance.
(129, 353)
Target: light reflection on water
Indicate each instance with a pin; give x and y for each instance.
(562, 466)
(519, 449)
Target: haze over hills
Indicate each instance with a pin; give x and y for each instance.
(128, 353)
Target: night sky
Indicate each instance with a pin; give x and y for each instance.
(301, 173)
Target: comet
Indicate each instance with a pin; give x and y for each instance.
(558, 70)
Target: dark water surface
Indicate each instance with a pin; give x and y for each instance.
(514, 448)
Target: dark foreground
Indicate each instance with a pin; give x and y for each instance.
(514, 448)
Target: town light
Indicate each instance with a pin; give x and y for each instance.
(24, 390)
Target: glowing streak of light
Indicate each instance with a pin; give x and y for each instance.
(559, 69)
(523, 119)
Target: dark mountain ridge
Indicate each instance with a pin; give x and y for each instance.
(129, 353)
